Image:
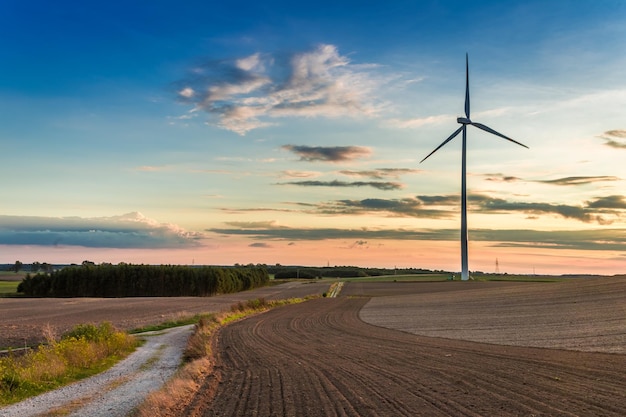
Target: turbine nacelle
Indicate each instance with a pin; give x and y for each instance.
(463, 120)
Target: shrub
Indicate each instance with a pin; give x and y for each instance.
(85, 350)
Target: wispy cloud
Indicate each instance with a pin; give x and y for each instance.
(579, 180)
(501, 178)
(381, 173)
(270, 224)
(244, 93)
(328, 153)
(151, 168)
(132, 230)
(260, 245)
(385, 186)
(299, 174)
(615, 138)
(420, 121)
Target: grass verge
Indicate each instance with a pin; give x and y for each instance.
(198, 356)
(184, 320)
(8, 288)
(84, 351)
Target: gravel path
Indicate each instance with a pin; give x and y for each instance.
(117, 391)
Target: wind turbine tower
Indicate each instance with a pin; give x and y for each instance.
(464, 122)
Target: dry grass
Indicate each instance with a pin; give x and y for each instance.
(88, 349)
(177, 392)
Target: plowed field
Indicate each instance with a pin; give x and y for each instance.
(22, 320)
(321, 359)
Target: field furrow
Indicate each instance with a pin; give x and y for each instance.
(320, 359)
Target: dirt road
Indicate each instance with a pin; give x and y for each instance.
(320, 359)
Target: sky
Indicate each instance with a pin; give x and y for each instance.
(291, 133)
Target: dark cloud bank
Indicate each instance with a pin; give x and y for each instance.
(127, 231)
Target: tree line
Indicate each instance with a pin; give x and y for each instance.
(285, 272)
(128, 280)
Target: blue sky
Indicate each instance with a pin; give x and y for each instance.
(273, 132)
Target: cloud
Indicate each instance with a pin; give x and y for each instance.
(615, 138)
(132, 230)
(565, 181)
(610, 202)
(405, 207)
(301, 234)
(151, 168)
(601, 210)
(255, 225)
(420, 122)
(359, 244)
(260, 245)
(299, 174)
(439, 200)
(328, 153)
(381, 173)
(242, 94)
(595, 211)
(579, 180)
(501, 178)
(385, 186)
(497, 205)
(598, 239)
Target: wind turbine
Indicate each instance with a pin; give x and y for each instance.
(464, 121)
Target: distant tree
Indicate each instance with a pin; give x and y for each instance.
(35, 267)
(18, 265)
(47, 268)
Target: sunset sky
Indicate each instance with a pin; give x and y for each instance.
(290, 132)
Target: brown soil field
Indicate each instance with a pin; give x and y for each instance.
(22, 319)
(579, 314)
(391, 349)
(321, 358)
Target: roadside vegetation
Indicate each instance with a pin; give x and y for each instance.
(84, 351)
(198, 357)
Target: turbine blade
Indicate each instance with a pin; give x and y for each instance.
(444, 142)
(490, 130)
(467, 95)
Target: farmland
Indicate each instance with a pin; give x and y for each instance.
(395, 348)
(9, 282)
(321, 358)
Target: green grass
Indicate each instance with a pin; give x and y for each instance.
(8, 287)
(9, 281)
(392, 278)
(518, 278)
(182, 321)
